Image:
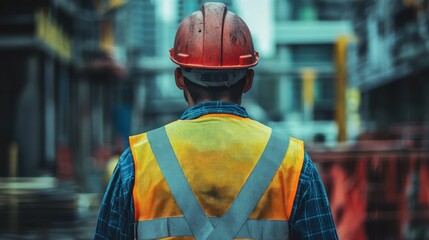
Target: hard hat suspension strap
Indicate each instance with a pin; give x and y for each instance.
(213, 78)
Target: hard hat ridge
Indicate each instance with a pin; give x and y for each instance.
(214, 21)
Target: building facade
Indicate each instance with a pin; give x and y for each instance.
(389, 62)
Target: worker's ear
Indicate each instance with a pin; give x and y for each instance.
(249, 80)
(180, 82)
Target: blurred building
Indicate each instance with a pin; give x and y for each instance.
(37, 63)
(389, 63)
(60, 84)
(385, 173)
(297, 86)
(60, 87)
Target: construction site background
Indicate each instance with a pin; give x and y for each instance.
(349, 77)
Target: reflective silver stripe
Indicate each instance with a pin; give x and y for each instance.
(254, 187)
(178, 226)
(198, 222)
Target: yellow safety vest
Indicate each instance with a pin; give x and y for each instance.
(216, 177)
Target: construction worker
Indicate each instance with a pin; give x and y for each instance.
(215, 173)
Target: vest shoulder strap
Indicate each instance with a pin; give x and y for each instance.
(161, 147)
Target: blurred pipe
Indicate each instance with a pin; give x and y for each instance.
(340, 86)
(13, 159)
(308, 76)
(49, 113)
(107, 38)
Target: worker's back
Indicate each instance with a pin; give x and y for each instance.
(217, 153)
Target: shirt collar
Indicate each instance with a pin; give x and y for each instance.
(214, 107)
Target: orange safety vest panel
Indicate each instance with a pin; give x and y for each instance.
(217, 154)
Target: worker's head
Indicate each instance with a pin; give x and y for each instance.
(214, 50)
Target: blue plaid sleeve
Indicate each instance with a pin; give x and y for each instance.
(116, 216)
(311, 216)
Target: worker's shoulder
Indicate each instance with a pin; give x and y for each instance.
(296, 142)
(138, 138)
(141, 138)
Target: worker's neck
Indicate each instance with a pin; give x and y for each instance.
(192, 103)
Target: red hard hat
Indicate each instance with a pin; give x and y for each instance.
(214, 38)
